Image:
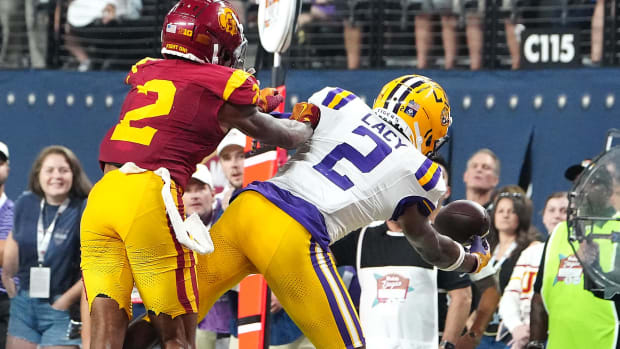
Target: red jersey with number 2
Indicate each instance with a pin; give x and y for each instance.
(169, 118)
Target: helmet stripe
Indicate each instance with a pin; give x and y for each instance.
(394, 88)
(406, 90)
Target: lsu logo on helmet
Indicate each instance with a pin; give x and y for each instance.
(419, 108)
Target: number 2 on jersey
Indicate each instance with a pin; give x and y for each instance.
(345, 151)
(165, 90)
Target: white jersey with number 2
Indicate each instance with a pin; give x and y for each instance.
(356, 168)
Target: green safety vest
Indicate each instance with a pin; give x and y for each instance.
(577, 319)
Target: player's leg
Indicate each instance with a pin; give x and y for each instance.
(313, 293)
(216, 273)
(105, 267)
(298, 271)
(163, 270)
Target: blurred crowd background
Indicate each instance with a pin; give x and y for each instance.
(332, 34)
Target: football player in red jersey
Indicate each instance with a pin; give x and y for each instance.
(177, 111)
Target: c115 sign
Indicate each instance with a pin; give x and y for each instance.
(550, 48)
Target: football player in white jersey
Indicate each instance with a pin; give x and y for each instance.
(362, 164)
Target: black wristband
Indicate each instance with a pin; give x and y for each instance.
(536, 345)
(446, 345)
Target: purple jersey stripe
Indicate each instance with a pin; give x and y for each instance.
(345, 101)
(352, 312)
(331, 95)
(431, 184)
(333, 304)
(301, 210)
(423, 169)
(426, 207)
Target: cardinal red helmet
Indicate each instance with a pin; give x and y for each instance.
(204, 31)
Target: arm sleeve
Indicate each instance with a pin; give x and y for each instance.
(345, 249)
(452, 280)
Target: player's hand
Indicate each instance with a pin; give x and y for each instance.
(306, 112)
(269, 99)
(520, 337)
(275, 304)
(481, 250)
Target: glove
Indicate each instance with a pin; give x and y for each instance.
(306, 112)
(269, 99)
(481, 250)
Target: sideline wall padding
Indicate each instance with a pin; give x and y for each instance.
(39, 108)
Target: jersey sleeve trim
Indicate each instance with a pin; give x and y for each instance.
(428, 174)
(237, 78)
(425, 206)
(338, 98)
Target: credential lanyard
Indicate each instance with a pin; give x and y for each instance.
(45, 235)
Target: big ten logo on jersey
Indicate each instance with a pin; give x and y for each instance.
(228, 21)
(550, 48)
(381, 127)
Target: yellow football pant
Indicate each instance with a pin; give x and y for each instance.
(126, 238)
(255, 236)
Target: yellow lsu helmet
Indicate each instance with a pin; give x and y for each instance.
(419, 108)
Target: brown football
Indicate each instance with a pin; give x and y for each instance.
(461, 220)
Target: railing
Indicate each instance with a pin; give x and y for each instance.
(387, 31)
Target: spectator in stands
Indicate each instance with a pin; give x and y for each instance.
(481, 176)
(511, 218)
(514, 306)
(214, 330)
(37, 20)
(12, 24)
(85, 15)
(554, 210)
(596, 35)
(473, 11)
(232, 157)
(338, 10)
(424, 32)
(45, 242)
(6, 222)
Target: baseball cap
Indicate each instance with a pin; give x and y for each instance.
(4, 152)
(234, 137)
(574, 171)
(202, 174)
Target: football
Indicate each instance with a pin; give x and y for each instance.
(461, 220)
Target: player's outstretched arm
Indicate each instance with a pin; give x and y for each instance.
(438, 249)
(264, 127)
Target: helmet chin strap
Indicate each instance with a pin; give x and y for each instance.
(438, 144)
